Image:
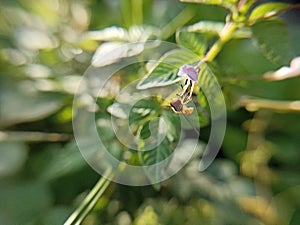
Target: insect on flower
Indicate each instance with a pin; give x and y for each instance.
(179, 104)
(191, 75)
(179, 107)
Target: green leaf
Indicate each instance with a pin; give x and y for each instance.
(212, 28)
(119, 110)
(266, 9)
(240, 58)
(119, 34)
(273, 40)
(143, 33)
(212, 93)
(23, 203)
(289, 155)
(203, 112)
(20, 102)
(56, 215)
(109, 34)
(172, 121)
(165, 71)
(193, 41)
(64, 162)
(12, 157)
(111, 52)
(157, 141)
(142, 111)
(206, 27)
(120, 43)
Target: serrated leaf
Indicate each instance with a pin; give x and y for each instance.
(240, 58)
(165, 71)
(266, 9)
(157, 141)
(273, 40)
(212, 28)
(193, 41)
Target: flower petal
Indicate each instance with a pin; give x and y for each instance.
(189, 71)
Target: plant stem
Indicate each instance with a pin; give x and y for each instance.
(90, 200)
(30, 136)
(254, 104)
(182, 18)
(125, 6)
(225, 36)
(137, 11)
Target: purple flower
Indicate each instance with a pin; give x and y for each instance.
(188, 71)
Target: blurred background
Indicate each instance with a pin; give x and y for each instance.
(46, 46)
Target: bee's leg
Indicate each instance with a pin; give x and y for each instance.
(185, 83)
(187, 97)
(185, 87)
(192, 88)
(177, 112)
(186, 100)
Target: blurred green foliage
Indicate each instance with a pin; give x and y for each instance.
(46, 46)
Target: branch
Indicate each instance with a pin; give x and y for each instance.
(254, 104)
(33, 136)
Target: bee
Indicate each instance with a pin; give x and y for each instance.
(179, 104)
(180, 107)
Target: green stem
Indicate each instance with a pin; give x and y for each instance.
(90, 201)
(182, 18)
(225, 35)
(137, 11)
(254, 104)
(125, 6)
(34, 136)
